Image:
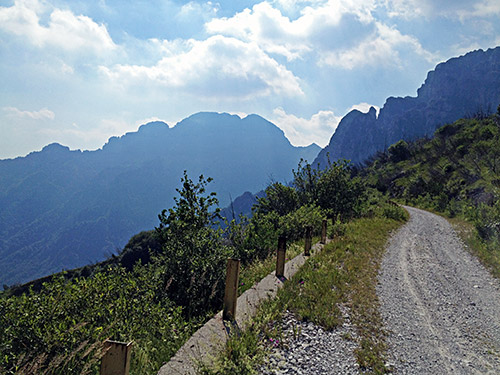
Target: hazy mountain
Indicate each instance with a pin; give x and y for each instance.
(63, 208)
(461, 87)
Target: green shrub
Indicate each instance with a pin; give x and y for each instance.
(61, 329)
(193, 253)
(294, 224)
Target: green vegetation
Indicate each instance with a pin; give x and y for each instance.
(165, 283)
(456, 173)
(343, 274)
(61, 329)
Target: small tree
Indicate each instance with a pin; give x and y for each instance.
(279, 198)
(305, 181)
(193, 253)
(339, 193)
(399, 151)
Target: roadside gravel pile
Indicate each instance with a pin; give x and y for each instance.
(309, 349)
(441, 308)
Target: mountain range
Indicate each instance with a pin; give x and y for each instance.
(63, 208)
(464, 86)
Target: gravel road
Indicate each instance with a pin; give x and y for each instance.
(439, 305)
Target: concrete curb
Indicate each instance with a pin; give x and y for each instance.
(211, 339)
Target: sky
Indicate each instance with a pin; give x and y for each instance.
(78, 72)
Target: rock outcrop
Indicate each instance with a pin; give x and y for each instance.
(464, 86)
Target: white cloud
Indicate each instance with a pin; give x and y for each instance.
(67, 69)
(463, 9)
(218, 67)
(486, 8)
(364, 107)
(276, 33)
(267, 27)
(337, 33)
(64, 29)
(193, 8)
(318, 129)
(383, 47)
(34, 115)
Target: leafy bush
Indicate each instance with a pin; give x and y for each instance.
(339, 194)
(193, 252)
(294, 224)
(61, 329)
(399, 151)
(254, 238)
(279, 198)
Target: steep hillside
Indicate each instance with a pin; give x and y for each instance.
(461, 87)
(457, 173)
(64, 209)
(458, 167)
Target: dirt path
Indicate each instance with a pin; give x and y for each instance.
(441, 308)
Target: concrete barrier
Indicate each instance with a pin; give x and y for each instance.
(211, 339)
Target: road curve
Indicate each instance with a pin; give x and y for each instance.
(440, 307)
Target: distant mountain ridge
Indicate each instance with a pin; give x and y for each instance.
(64, 209)
(460, 87)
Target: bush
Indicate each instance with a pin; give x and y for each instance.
(61, 329)
(294, 224)
(193, 253)
(279, 198)
(258, 237)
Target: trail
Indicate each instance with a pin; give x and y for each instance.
(440, 306)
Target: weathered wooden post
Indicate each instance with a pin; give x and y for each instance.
(307, 247)
(280, 258)
(116, 359)
(231, 291)
(323, 232)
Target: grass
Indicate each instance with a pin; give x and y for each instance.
(260, 268)
(487, 253)
(344, 273)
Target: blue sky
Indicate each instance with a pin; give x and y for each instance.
(78, 72)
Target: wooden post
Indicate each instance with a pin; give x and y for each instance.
(116, 359)
(280, 258)
(307, 247)
(323, 232)
(231, 292)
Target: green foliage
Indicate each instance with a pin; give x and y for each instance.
(399, 151)
(194, 255)
(294, 224)
(279, 198)
(255, 238)
(60, 330)
(339, 194)
(332, 189)
(457, 173)
(305, 182)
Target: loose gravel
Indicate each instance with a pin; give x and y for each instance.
(441, 308)
(309, 349)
